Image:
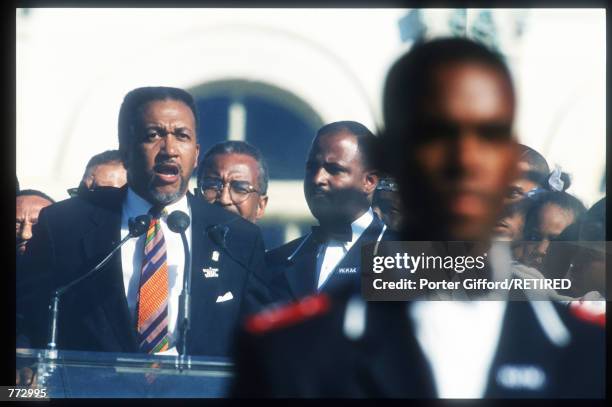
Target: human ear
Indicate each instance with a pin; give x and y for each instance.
(370, 181)
(262, 202)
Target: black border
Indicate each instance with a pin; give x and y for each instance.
(9, 110)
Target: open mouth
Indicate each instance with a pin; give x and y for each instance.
(167, 173)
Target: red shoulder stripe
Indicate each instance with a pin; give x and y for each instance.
(595, 314)
(293, 313)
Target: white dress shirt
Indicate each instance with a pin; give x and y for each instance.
(333, 252)
(459, 340)
(133, 251)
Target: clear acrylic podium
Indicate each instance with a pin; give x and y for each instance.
(124, 375)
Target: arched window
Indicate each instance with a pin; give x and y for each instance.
(280, 125)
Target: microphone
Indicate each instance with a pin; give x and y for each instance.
(178, 222)
(218, 234)
(137, 227)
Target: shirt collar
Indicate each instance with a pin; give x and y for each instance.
(360, 224)
(136, 205)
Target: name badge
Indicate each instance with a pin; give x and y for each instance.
(210, 272)
(347, 270)
(527, 377)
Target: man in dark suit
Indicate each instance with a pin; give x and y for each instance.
(131, 305)
(449, 107)
(338, 185)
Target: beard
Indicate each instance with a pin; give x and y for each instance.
(152, 194)
(164, 199)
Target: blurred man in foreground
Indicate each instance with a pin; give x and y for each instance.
(449, 106)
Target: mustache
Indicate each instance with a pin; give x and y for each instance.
(160, 165)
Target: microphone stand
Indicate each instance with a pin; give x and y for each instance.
(178, 222)
(137, 228)
(185, 306)
(54, 307)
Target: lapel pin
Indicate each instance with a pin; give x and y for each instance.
(215, 256)
(210, 272)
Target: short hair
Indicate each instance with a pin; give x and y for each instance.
(135, 101)
(237, 147)
(34, 192)
(106, 157)
(538, 167)
(366, 140)
(562, 199)
(409, 79)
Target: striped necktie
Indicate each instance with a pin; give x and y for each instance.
(152, 325)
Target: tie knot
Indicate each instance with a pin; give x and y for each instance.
(158, 212)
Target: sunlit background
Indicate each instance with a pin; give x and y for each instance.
(272, 77)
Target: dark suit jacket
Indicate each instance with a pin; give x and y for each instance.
(295, 278)
(74, 235)
(314, 358)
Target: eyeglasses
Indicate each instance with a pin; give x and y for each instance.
(387, 185)
(238, 190)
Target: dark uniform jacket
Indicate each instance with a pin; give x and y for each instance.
(293, 267)
(304, 350)
(74, 235)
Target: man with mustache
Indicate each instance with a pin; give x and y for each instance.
(132, 304)
(338, 185)
(234, 175)
(448, 108)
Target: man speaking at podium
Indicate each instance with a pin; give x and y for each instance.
(132, 303)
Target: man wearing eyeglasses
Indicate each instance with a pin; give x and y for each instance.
(234, 175)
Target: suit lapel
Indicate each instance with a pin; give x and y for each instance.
(111, 296)
(396, 365)
(204, 291)
(301, 273)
